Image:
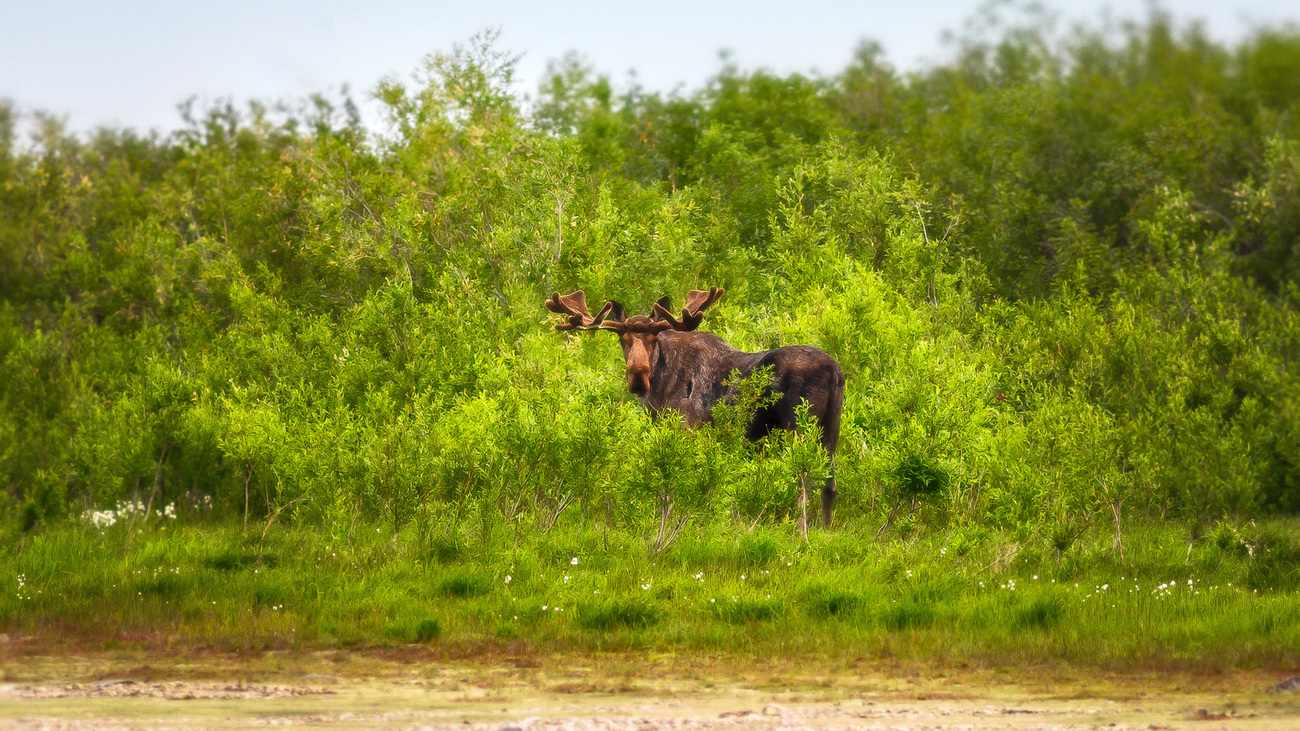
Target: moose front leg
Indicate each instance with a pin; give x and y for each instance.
(828, 499)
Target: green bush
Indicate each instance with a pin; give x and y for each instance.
(1041, 613)
(1059, 280)
(428, 630)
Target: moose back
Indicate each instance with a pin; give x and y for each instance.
(672, 366)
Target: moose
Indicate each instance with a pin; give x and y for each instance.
(671, 366)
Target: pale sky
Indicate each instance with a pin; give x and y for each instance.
(130, 62)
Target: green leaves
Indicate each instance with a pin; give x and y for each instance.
(1058, 279)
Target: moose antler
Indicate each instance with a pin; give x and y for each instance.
(574, 307)
(693, 313)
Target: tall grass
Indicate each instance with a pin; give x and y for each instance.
(843, 595)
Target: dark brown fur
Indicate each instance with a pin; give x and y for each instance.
(672, 367)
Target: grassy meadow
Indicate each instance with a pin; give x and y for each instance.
(962, 597)
(278, 380)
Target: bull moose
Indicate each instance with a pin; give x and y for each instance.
(671, 366)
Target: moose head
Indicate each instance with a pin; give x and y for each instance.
(672, 366)
(639, 334)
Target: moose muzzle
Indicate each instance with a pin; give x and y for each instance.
(638, 369)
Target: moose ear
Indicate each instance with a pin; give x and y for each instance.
(665, 303)
(613, 317)
(664, 317)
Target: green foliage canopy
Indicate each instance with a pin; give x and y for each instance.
(1061, 281)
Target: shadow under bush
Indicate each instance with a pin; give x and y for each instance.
(613, 614)
(463, 585)
(744, 611)
(823, 600)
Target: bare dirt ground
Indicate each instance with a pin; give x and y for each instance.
(420, 689)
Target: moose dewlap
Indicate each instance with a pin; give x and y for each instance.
(671, 366)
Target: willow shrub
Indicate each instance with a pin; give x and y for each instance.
(306, 322)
